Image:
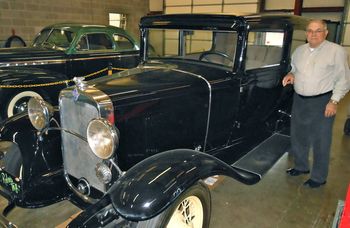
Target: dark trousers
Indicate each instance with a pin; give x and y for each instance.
(311, 129)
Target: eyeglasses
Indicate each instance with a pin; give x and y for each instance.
(318, 31)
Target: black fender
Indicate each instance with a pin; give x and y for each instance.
(42, 182)
(152, 185)
(14, 79)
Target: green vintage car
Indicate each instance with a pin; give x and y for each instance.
(59, 53)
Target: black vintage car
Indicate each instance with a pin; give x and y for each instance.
(59, 53)
(133, 148)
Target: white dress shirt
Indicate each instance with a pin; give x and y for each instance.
(320, 70)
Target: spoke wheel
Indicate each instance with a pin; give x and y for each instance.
(191, 209)
(188, 214)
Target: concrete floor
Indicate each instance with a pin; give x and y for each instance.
(277, 201)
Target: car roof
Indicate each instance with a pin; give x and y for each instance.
(77, 27)
(298, 22)
(192, 21)
(224, 21)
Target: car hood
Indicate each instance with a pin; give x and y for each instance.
(27, 54)
(149, 80)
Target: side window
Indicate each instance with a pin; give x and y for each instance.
(60, 38)
(41, 37)
(123, 43)
(99, 41)
(264, 49)
(82, 44)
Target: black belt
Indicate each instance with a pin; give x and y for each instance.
(315, 96)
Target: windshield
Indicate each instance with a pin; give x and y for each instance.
(56, 39)
(216, 47)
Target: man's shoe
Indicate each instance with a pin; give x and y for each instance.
(313, 184)
(294, 172)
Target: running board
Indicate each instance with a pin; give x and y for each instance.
(260, 159)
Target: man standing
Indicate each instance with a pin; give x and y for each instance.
(321, 78)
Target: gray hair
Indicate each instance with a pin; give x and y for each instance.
(323, 22)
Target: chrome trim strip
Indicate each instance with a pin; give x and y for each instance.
(271, 65)
(65, 130)
(104, 57)
(209, 105)
(32, 62)
(59, 61)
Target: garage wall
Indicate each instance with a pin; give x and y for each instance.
(289, 5)
(239, 7)
(342, 17)
(243, 7)
(28, 17)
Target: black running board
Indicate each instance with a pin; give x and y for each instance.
(260, 159)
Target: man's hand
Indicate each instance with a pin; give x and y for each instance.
(331, 110)
(288, 79)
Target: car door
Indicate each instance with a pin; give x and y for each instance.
(128, 52)
(98, 51)
(261, 88)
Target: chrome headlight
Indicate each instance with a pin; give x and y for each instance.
(39, 113)
(102, 137)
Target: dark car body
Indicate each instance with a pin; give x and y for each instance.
(66, 51)
(206, 99)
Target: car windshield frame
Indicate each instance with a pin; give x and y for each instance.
(47, 38)
(217, 47)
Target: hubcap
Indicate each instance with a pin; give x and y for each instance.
(21, 105)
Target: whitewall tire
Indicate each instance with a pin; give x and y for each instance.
(18, 102)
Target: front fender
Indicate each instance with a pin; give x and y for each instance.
(19, 130)
(45, 82)
(41, 178)
(152, 185)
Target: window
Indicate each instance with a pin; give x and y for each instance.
(123, 43)
(57, 38)
(117, 20)
(216, 47)
(83, 44)
(264, 49)
(42, 36)
(96, 41)
(198, 41)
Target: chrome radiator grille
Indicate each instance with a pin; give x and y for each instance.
(78, 159)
